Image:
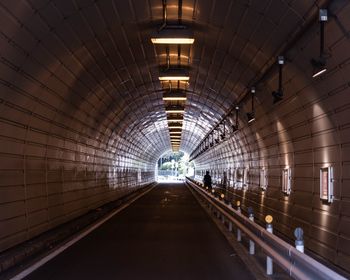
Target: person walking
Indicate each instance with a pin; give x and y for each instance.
(207, 181)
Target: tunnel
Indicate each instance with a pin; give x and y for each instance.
(89, 102)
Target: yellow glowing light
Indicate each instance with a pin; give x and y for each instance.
(174, 98)
(175, 111)
(175, 127)
(174, 78)
(175, 120)
(169, 41)
(268, 219)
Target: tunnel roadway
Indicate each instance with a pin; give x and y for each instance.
(163, 235)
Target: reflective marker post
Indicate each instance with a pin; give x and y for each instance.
(299, 242)
(239, 235)
(222, 196)
(251, 243)
(269, 262)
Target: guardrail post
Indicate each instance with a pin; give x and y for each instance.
(299, 242)
(222, 196)
(269, 262)
(251, 243)
(239, 235)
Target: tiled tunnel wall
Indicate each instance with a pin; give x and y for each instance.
(309, 130)
(60, 156)
(82, 121)
(48, 177)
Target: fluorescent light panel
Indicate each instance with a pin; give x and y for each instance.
(319, 73)
(174, 96)
(174, 78)
(175, 120)
(170, 41)
(173, 36)
(174, 111)
(174, 74)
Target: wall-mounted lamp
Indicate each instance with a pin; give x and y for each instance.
(235, 126)
(223, 134)
(211, 143)
(320, 64)
(278, 95)
(251, 115)
(217, 137)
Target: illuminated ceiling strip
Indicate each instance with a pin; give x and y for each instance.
(177, 35)
(174, 98)
(175, 111)
(171, 41)
(175, 120)
(174, 78)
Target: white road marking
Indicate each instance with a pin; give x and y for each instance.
(65, 246)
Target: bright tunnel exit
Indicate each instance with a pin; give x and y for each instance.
(174, 167)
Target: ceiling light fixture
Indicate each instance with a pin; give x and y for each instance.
(175, 120)
(173, 78)
(174, 74)
(235, 126)
(173, 34)
(174, 111)
(278, 95)
(251, 115)
(175, 132)
(179, 127)
(174, 96)
(320, 64)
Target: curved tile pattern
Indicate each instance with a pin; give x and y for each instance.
(82, 118)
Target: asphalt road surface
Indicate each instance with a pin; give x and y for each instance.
(163, 235)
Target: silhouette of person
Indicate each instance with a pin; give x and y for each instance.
(207, 181)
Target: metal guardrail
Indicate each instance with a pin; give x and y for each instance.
(295, 263)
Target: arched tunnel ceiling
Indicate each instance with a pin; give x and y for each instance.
(96, 60)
